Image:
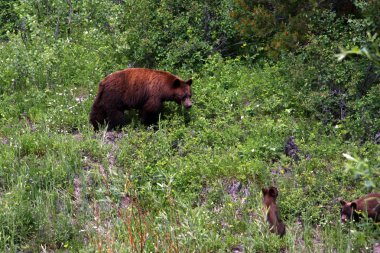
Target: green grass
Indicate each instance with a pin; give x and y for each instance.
(62, 186)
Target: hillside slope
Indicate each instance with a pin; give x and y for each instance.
(193, 185)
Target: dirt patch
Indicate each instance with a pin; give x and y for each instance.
(78, 136)
(77, 190)
(233, 189)
(4, 141)
(112, 137)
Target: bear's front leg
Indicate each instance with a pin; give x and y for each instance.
(97, 117)
(116, 119)
(148, 117)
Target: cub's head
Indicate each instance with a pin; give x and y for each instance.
(347, 212)
(182, 92)
(270, 195)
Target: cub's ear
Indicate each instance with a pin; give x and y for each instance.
(353, 205)
(342, 202)
(264, 190)
(176, 83)
(189, 82)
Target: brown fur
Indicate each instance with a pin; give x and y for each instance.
(273, 217)
(137, 88)
(369, 204)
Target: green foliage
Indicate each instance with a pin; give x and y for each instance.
(193, 184)
(8, 18)
(368, 9)
(279, 26)
(364, 170)
(372, 52)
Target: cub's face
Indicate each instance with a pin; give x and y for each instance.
(347, 211)
(183, 93)
(270, 195)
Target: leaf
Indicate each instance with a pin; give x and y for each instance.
(349, 157)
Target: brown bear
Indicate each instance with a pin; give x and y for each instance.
(273, 217)
(369, 204)
(137, 88)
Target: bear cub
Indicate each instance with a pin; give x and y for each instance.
(369, 204)
(273, 217)
(137, 88)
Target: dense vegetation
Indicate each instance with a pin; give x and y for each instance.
(264, 71)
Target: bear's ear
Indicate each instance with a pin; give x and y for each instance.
(176, 83)
(353, 205)
(264, 190)
(189, 82)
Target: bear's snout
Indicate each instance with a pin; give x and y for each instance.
(187, 103)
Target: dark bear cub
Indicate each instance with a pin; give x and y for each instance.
(369, 204)
(273, 217)
(137, 88)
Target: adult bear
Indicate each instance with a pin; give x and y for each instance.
(137, 88)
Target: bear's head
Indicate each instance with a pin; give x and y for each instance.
(182, 92)
(270, 195)
(347, 212)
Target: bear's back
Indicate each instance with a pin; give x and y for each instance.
(150, 76)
